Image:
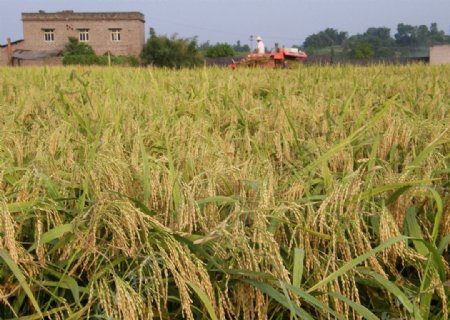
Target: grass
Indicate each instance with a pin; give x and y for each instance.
(315, 193)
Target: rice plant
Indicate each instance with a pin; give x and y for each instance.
(314, 193)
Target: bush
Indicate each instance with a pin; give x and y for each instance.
(83, 54)
(90, 60)
(170, 52)
(220, 50)
(76, 48)
(363, 51)
(120, 60)
(87, 60)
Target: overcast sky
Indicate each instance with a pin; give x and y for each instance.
(287, 22)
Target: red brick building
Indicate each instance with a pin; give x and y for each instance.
(121, 33)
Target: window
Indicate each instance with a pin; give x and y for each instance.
(84, 35)
(49, 35)
(115, 34)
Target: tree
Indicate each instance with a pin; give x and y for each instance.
(422, 35)
(375, 42)
(437, 36)
(406, 35)
(241, 48)
(170, 52)
(204, 46)
(220, 50)
(363, 51)
(76, 48)
(325, 38)
(76, 52)
(381, 41)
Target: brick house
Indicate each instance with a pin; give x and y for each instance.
(121, 33)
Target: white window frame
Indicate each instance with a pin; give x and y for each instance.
(49, 35)
(115, 34)
(83, 35)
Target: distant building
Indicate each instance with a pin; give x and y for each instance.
(440, 54)
(121, 33)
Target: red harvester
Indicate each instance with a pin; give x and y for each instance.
(279, 59)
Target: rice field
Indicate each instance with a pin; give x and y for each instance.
(314, 193)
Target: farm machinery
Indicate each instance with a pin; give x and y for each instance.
(282, 58)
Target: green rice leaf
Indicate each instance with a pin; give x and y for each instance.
(247, 273)
(395, 186)
(204, 298)
(353, 263)
(21, 206)
(42, 315)
(53, 234)
(397, 194)
(280, 298)
(426, 151)
(217, 200)
(21, 278)
(145, 169)
(436, 259)
(413, 230)
(310, 299)
(360, 309)
(438, 217)
(392, 288)
(299, 256)
(443, 244)
(288, 299)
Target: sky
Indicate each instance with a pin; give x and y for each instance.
(287, 22)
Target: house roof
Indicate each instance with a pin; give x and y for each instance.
(68, 15)
(35, 55)
(440, 45)
(12, 43)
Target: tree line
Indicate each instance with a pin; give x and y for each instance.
(408, 40)
(376, 42)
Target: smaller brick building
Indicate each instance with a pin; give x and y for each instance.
(6, 51)
(121, 33)
(440, 54)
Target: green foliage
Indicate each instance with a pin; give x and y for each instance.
(362, 51)
(325, 38)
(170, 52)
(76, 48)
(409, 35)
(107, 59)
(79, 53)
(238, 47)
(87, 60)
(375, 42)
(90, 60)
(220, 50)
(408, 41)
(204, 46)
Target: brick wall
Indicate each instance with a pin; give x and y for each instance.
(67, 24)
(4, 51)
(440, 54)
